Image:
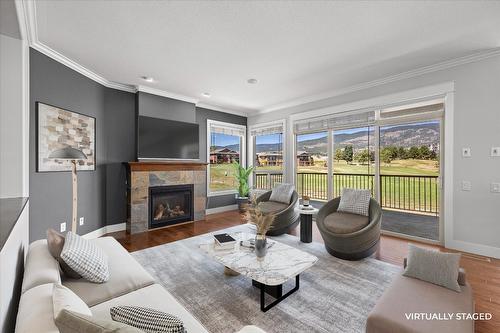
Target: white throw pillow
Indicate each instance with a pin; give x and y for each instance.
(64, 299)
(85, 258)
(282, 193)
(354, 201)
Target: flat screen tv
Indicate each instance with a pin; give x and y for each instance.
(163, 139)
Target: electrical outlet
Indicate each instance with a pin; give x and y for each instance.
(82, 220)
(466, 185)
(63, 227)
(495, 188)
(495, 151)
(466, 152)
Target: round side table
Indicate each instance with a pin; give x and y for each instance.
(306, 215)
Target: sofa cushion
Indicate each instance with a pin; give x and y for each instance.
(35, 312)
(155, 297)
(63, 298)
(74, 322)
(85, 258)
(355, 201)
(433, 266)
(125, 275)
(345, 223)
(282, 193)
(147, 319)
(40, 267)
(271, 207)
(407, 295)
(55, 242)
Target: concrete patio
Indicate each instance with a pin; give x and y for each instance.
(412, 224)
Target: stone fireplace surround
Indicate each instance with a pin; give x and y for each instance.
(143, 175)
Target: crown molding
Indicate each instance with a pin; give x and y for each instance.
(167, 94)
(397, 77)
(221, 109)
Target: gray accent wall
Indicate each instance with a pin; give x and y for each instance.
(101, 193)
(165, 108)
(202, 115)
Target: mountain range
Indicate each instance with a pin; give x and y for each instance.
(424, 134)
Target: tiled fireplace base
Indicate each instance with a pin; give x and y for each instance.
(143, 175)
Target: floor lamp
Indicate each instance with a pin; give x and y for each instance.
(73, 155)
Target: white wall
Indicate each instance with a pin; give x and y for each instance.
(11, 117)
(476, 222)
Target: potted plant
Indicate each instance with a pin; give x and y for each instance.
(242, 174)
(262, 222)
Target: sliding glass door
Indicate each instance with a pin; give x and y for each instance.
(393, 152)
(409, 178)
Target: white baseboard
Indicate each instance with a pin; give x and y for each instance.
(220, 209)
(483, 250)
(105, 230)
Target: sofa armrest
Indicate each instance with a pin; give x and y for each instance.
(462, 276)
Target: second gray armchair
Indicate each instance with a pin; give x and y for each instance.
(349, 236)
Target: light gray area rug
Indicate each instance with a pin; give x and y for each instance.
(334, 295)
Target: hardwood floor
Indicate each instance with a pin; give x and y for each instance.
(482, 273)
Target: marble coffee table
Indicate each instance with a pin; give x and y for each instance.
(281, 263)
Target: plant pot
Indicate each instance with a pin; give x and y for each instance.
(242, 203)
(260, 245)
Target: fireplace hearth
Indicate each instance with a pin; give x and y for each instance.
(169, 205)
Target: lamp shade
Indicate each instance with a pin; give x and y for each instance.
(68, 153)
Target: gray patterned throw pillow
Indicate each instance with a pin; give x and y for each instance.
(354, 201)
(433, 266)
(147, 320)
(85, 258)
(282, 193)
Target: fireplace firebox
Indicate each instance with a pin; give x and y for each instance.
(169, 205)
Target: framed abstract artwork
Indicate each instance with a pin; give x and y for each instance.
(59, 128)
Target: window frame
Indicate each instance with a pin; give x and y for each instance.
(243, 159)
(252, 147)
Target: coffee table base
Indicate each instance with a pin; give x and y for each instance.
(274, 291)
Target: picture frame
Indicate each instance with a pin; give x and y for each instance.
(57, 128)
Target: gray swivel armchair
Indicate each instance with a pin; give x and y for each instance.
(349, 236)
(286, 216)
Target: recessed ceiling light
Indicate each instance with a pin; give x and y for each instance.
(148, 78)
(206, 94)
(252, 81)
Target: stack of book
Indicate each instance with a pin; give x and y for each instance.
(224, 242)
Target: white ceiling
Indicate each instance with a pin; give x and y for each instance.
(294, 49)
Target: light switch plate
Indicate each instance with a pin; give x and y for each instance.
(495, 151)
(495, 188)
(63, 227)
(466, 152)
(82, 220)
(466, 185)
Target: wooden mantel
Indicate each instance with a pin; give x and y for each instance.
(166, 166)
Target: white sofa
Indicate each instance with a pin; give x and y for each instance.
(129, 284)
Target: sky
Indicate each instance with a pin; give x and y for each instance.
(219, 139)
(267, 139)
